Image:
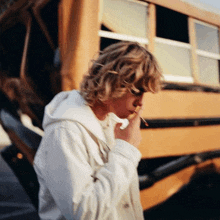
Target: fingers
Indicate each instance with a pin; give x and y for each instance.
(118, 132)
(139, 111)
(117, 126)
(139, 114)
(135, 120)
(131, 133)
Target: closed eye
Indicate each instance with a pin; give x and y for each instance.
(139, 93)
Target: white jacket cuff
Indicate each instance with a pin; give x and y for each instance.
(127, 150)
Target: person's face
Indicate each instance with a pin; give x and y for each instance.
(126, 105)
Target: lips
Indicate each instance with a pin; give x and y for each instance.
(132, 112)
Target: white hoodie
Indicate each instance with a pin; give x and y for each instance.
(81, 174)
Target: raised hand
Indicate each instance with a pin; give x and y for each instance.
(132, 133)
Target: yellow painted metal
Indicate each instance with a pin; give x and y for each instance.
(167, 187)
(178, 141)
(152, 26)
(181, 104)
(78, 39)
(183, 140)
(194, 60)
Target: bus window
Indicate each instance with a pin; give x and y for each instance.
(171, 25)
(123, 20)
(174, 60)
(208, 52)
(208, 70)
(172, 47)
(207, 37)
(104, 42)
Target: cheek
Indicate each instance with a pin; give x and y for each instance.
(131, 103)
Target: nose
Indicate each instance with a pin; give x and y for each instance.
(140, 100)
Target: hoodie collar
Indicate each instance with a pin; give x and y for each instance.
(70, 105)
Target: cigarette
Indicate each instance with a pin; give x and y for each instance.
(146, 124)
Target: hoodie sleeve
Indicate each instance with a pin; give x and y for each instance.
(70, 179)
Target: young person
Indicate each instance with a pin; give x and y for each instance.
(87, 160)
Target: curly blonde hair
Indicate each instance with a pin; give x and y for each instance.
(121, 67)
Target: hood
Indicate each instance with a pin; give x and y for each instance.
(70, 105)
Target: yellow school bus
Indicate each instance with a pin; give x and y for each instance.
(46, 46)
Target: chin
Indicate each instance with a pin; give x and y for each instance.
(125, 116)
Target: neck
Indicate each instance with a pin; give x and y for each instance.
(100, 110)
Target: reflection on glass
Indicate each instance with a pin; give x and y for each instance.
(208, 70)
(173, 60)
(207, 38)
(125, 17)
